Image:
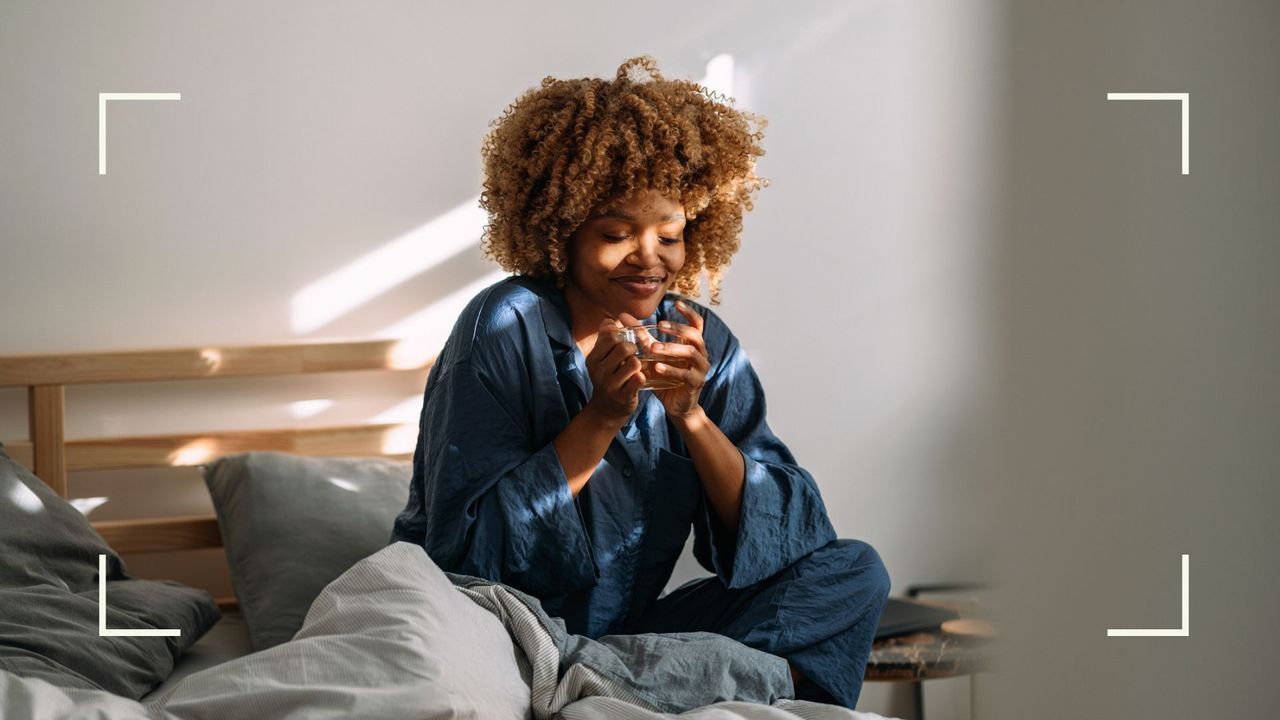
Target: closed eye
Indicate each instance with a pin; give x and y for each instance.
(620, 238)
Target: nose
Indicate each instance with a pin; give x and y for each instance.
(645, 253)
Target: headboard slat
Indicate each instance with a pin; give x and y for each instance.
(46, 406)
(188, 450)
(389, 440)
(161, 534)
(190, 363)
(20, 452)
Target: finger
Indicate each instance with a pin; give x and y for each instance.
(643, 337)
(691, 378)
(618, 354)
(689, 334)
(646, 342)
(687, 352)
(634, 384)
(695, 318)
(601, 348)
(626, 377)
(606, 339)
(613, 369)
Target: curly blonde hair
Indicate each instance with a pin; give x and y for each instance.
(560, 150)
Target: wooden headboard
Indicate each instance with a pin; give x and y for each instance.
(50, 456)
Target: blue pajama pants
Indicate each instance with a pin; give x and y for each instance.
(820, 614)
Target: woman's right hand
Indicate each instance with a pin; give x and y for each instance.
(615, 376)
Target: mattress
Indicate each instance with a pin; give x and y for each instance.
(227, 640)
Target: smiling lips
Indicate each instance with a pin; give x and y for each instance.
(641, 285)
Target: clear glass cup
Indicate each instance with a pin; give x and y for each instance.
(645, 337)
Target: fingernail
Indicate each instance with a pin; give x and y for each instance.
(664, 324)
(659, 367)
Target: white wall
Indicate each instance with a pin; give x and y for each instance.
(1138, 353)
(311, 136)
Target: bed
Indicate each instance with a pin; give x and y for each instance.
(290, 641)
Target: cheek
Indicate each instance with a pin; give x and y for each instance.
(594, 268)
(674, 257)
(585, 259)
(607, 258)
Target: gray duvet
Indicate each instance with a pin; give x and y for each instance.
(394, 637)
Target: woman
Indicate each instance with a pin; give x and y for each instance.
(543, 465)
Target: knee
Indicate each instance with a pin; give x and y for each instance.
(860, 562)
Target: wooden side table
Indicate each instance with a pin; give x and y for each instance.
(923, 656)
(927, 655)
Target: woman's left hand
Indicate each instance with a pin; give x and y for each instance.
(682, 400)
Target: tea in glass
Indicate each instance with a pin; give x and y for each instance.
(645, 337)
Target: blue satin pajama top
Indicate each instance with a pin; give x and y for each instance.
(489, 497)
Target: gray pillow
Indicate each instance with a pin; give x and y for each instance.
(49, 598)
(291, 525)
(391, 638)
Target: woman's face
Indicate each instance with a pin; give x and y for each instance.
(624, 257)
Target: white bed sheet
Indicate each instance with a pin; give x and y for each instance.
(227, 640)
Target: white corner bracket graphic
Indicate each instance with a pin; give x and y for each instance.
(103, 630)
(1183, 631)
(1184, 99)
(102, 118)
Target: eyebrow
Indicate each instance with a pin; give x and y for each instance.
(623, 215)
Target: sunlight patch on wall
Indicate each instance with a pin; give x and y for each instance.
(719, 75)
(367, 277)
(422, 334)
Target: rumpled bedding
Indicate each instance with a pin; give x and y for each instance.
(395, 637)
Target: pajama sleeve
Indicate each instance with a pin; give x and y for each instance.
(492, 502)
(783, 517)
